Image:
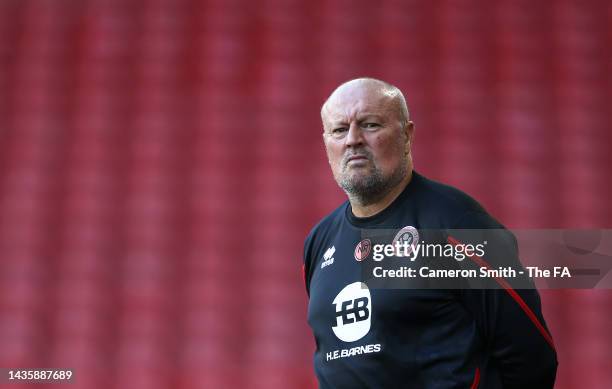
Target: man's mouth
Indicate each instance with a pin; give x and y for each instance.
(356, 161)
(357, 158)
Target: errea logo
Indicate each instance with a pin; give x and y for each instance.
(328, 257)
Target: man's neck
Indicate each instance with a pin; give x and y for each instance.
(366, 210)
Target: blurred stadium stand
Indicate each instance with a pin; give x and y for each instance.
(161, 163)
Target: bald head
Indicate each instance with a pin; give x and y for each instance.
(367, 136)
(389, 97)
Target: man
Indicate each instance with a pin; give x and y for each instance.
(408, 338)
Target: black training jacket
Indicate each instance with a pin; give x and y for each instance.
(420, 338)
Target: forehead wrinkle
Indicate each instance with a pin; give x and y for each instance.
(356, 110)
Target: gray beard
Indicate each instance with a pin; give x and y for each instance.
(368, 190)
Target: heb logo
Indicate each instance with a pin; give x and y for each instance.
(362, 250)
(353, 312)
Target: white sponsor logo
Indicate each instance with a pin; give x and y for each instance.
(353, 312)
(351, 352)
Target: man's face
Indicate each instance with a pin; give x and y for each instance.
(367, 144)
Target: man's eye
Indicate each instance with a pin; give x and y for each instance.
(338, 130)
(371, 125)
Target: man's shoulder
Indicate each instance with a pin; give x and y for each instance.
(457, 205)
(451, 196)
(328, 222)
(316, 239)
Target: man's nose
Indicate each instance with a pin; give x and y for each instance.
(354, 136)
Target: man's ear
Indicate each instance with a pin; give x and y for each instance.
(409, 132)
(324, 136)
